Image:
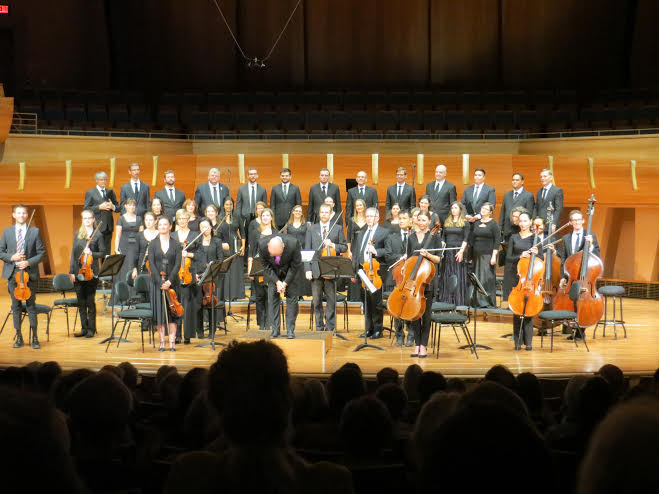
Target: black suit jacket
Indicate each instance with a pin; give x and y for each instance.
(395, 247)
(487, 194)
(370, 198)
(407, 200)
(316, 198)
(289, 264)
(442, 199)
(96, 246)
(381, 251)
(566, 248)
(282, 206)
(525, 199)
(93, 199)
(203, 197)
(143, 198)
(34, 251)
(555, 198)
(170, 207)
(314, 239)
(242, 201)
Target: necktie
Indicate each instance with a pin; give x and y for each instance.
(324, 232)
(404, 239)
(544, 194)
(477, 190)
(324, 187)
(20, 244)
(285, 190)
(171, 195)
(252, 198)
(135, 189)
(365, 242)
(400, 192)
(436, 186)
(217, 203)
(515, 195)
(103, 193)
(361, 191)
(277, 259)
(577, 243)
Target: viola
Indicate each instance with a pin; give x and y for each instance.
(22, 292)
(86, 273)
(526, 299)
(407, 301)
(372, 267)
(580, 293)
(174, 306)
(209, 299)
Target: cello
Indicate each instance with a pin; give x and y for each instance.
(86, 273)
(525, 299)
(407, 301)
(552, 276)
(580, 293)
(22, 292)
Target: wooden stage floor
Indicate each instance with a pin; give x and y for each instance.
(637, 354)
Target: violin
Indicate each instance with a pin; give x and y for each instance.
(86, 273)
(22, 292)
(526, 299)
(175, 307)
(184, 273)
(580, 293)
(209, 299)
(371, 267)
(552, 278)
(408, 301)
(328, 251)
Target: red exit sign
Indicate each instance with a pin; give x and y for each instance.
(4, 9)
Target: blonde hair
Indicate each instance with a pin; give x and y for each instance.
(272, 219)
(82, 231)
(291, 219)
(354, 215)
(461, 221)
(182, 213)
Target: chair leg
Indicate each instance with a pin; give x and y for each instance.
(345, 315)
(75, 319)
(48, 326)
(6, 319)
(456, 334)
(123, 328)
(551, 346)
(249, 306)
(66, 312)
(114, 327)
(622, 319)
(470, 341)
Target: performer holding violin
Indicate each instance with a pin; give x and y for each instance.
(164, 255)
(87, 249)
(328, 239)
(209, 249)
(368, 252)
(189, 292)
(22, 249)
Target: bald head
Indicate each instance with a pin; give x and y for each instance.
(276, 246)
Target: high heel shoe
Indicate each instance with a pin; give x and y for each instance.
(172, 344)
(416, 352)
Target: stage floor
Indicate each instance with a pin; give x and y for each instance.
(637, 354)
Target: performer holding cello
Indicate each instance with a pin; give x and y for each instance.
(22, 249)
(87, 249)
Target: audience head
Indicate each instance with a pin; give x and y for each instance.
(502, 375)
(455, 385)
(432, 415)
(595, 399)
(62, 387)
(530, 390)
(411, 381)
(194, 382)
(394, 398)
(614, 378)
(385, 376)
(429, 383)
(47, 374)
(365, 426)
(344, 385)
(495, 393)
(130, 375)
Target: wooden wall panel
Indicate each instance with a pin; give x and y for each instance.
(6, 115)
(464, 43)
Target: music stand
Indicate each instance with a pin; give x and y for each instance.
(367, 286)
(336, 267)
(111, 266)
(476, 287)
(212, 271)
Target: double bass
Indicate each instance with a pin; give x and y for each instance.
(525, 299)
(580, 293)
(407, 301)
(552, 276)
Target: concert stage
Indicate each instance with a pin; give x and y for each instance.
(320, 354)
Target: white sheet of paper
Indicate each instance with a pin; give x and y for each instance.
(307, 255)
(369, 286)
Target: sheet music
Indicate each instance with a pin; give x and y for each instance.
(307, 255)
(369, 286)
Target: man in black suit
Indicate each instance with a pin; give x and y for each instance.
(282, 260)
(211, 192)
(367, 194)
(102, 202)
(396, 245)
(283, 198)
(22, 248)
(172, 199)
(248, 195)
(318, 193)
(548, 194)
(476, 195)
(512, 199)
(327, 235)
(400, 193)
(135, 189)
(442, 193)
(372, 242)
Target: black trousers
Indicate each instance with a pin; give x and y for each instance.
(16, 305)
(260, 294)
(527, 330)
(86, 293)
(107, 243)
(421, 327)
(191, 301)
(373, 311)
(326, 287)
(274, 308)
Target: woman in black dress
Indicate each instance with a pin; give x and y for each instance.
(209, 250)
(144, 238)
(455, 234)
(356, 225)
(191, 207)
(424, 205)
(125, 239)
(391, 223)
(510, 273)
(297, 227)
(484, 244)
(86, 289)
(188, 293)
(521, 245)
(259, 285)
(421, 327)
(164, 257)
(253, 226)
(232, 235)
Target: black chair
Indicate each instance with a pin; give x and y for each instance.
(565, 317)
(614, 292)
(141, 285)
(453, 319)
(128, 316)
(437, 306)
(40, 308)
(62, 283)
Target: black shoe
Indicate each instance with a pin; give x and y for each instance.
(576, 336)
(274, 334)
(172, 349)
(414, 355)
(410, 340)
(19, 340)
(400, 340)
(290, 335)
(186, 341)
(542, 332)
(518, 347)
(377, 335)
(90, 334)
(35, 343)
(161, 349)
(528, 348)
(178, 340)
(566, 330)
(81, 334)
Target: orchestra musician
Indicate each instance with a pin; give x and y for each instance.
(103, 202)
(189, 294)
(144, 238)
(86, 289)
(298, 228)
(125, 237)
(209, 250)
(21, 248)
(356, 225)
(391, 222)
(135, 189)
(396, 245)
(328, 235)
(371, 242)
(510, 271)
(484, 244)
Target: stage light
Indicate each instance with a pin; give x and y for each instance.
(4, 9)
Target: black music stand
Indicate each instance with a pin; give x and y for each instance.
(213, 270)
(361, 275)
(111, 266)
(336, 267)
(476, 287)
